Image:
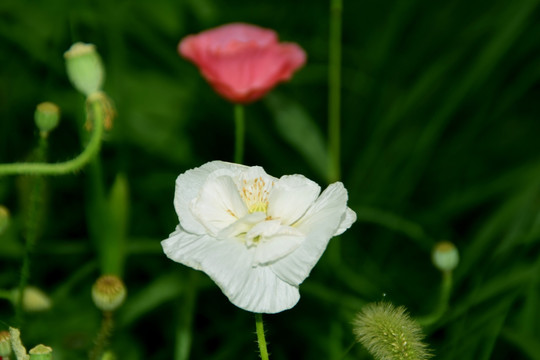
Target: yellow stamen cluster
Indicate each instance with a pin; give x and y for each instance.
(255, 195)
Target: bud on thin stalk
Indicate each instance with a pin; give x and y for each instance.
(47, 117)
(108, 293)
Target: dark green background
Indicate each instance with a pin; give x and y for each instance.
(440, 119)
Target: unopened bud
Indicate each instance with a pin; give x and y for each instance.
(41, 352)
(47, 116)
(108, 355)
(84, 68)
(108, 292)
(4, 218)
(34, 300)
(5, 344)
(388, 332)
(445, 256)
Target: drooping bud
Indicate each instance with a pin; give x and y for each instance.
(5, 344)
(47, 116)
(84, 68)
(445, 256)
(108, 292)
(389, 333)
(4, 218)
(41, 352)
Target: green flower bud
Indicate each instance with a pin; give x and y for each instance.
(84, 68)
(108, 292)
(108, 355)
(389, 333)
(34, 300)
(5, 344)
(4, 218)
(41, 352)
(445, 256)
(47, 116)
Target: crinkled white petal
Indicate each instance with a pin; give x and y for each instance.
(218, 204)
(346, 221)
(241, 226)
(275, 248)
(272, 241)
(290, 197)
(229, 264)
(188, 186)
(188, 249)
(320, 223)
(250, 174)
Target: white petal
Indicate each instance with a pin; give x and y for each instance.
(185, 248)
(255, 289)
(264, 292)
(290, 197)
(229, 264)
(242, 225)
(218, 204)
(276, 248)
(188, 186)
(346, 221)
(252, 173)
(320, 223)
(273, 241)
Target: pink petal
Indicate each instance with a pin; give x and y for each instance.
(242, 62)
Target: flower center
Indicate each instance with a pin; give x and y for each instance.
(255, 195)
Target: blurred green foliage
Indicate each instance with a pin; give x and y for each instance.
(440, 109)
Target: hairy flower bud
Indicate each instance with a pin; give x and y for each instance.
(389, 333)
(84, 68)
(108, 292)
(5, 344)
(47, 116)
(41, 352)
(445, 256)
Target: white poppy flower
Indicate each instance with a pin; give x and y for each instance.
(256, 236)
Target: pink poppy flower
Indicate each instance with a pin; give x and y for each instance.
(242, 62)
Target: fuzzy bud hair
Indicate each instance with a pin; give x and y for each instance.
(389, 333)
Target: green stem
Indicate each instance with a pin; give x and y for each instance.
(240, 124)
(33, 222)
(102, 339)
(442, 306)
(261, 340)
(41, 168)
(334, 90)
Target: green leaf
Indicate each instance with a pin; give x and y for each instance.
(300, 131)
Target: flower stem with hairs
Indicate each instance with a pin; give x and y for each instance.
(102, 339)
(240, 130)
(61, 168)
(261, 340)
(34, 214)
